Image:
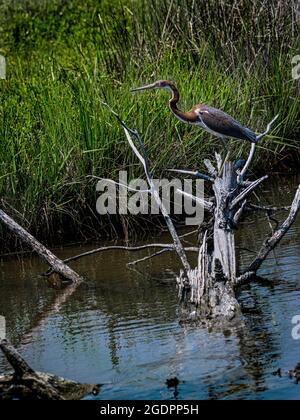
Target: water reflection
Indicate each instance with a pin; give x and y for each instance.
(121, 328)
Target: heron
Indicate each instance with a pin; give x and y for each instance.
(212, 120)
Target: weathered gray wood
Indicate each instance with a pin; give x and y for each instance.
(207, 205)
(15, 360)
(196, 174)
(224, 241)
(244, 194)
(239, 213)
(210, 286)
(210, 167)
(57, 265)
(199, 277)
(26, 383)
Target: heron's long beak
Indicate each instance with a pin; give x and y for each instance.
(151, 86)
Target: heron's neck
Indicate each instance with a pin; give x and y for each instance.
(186, 117)
(174, 100)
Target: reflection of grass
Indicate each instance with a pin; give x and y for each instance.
(65, 57)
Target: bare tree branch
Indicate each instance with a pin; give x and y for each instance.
(148, 257)
(145, 162)
(169, 247)
(249, 160)
(253, 147)
(197, 174)
(206, 204)
(271, 243)
(268, 129)
(271, 209)
(239, 213)
(247, 191)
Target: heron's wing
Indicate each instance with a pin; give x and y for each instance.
(220, 122)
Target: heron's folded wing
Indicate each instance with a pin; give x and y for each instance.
(220, 122)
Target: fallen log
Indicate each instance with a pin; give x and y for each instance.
(58, 266)
(25, 383)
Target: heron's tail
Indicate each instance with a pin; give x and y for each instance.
(249, 134)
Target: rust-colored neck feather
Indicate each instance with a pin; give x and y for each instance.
(187, 117)
(175, 96)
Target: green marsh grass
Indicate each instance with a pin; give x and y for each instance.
(65, 58)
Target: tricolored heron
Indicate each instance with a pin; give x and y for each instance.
(212, 120)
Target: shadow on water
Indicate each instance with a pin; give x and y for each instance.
(121, 328)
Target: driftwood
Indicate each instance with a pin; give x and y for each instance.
(207, 292)
(58, 266)
(25, 383)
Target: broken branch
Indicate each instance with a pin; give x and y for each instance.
(145, 162)
(247, 191)
(272, 242)
(253, 147)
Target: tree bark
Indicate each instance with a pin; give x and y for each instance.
(224, 242)
(57, 265)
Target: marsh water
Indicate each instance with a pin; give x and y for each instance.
(121, 327)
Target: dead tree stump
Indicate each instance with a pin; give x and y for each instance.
(209, 289)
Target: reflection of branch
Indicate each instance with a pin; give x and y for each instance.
(271, 243)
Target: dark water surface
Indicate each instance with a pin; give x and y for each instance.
(121, 327)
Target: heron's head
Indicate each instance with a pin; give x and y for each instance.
(160, 84)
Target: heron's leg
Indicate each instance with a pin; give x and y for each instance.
(225, 143)
(227, 151)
